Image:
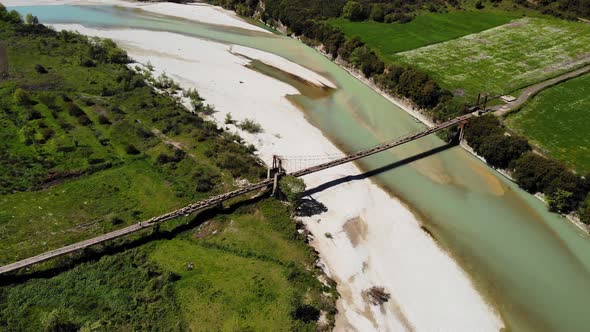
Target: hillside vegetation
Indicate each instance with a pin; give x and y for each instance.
(87, 146)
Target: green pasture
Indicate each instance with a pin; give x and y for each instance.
(506, 58)
(557, 120)
(390, 38)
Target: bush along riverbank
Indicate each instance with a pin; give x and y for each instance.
(565, 192)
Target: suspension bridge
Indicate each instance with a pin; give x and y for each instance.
(281, 166)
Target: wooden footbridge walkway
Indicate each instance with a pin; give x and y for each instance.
(278, 171)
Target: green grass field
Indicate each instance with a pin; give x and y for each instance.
(558, 120)
(232, 286)
(390, 38)
(506, 58)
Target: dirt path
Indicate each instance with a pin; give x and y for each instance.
(531, 91)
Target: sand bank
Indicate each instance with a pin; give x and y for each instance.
(200, 12)
(374, 240)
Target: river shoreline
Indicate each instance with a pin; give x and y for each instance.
(408, 107)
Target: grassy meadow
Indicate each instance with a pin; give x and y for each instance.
(85, 148)
(387, 39)
(266, 285)
(557, 120)
(504, 59)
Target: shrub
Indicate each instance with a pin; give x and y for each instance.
(162, 159)
(74, 110)
(84, 120)
(22, 97)
(250, 126)
(352, 11)
(141, 132)
(47, 133)
(40, 69)
(306, 313)
(293, 188)
(115, 220)
(32, 114)
(103, 120)
(229, 119)
(131, 149)
(377, 295)
(48, 100)
(207, 109)
(57, 321)
(204, 179)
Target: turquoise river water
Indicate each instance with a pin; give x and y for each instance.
(533, 266)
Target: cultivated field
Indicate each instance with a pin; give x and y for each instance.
(391, 38)
(506, 58)
(558, 121)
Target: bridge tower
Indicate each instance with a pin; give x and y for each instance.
(484, 103)
(276, 171)
(461, 131)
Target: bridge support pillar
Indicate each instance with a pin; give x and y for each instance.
(461, 131)
(275, 185)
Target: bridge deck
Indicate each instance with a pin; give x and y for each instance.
(214, 201)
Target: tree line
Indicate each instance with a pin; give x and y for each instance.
(565, 191)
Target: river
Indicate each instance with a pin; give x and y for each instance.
(533, 266)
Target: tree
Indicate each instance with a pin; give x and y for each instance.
(428, 95)
(293, 188)
(500, 150)
(349, 46)
(30, 19)
(22, 97)
(561, 201)
(535, 173)
(368, 62)
(479, 128)
(352, 11)
(377, 13)
(114, 54)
